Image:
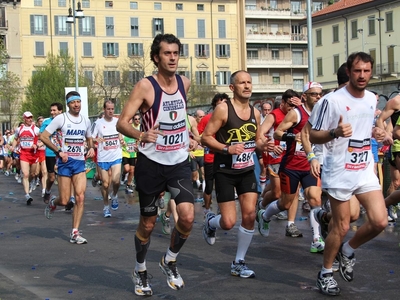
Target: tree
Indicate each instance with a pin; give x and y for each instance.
(10, 92)
(47, 84)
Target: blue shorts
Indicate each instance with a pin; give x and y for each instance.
(107, 165)
(374, 149)
(71, 167)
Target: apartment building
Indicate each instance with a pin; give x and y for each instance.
(349, 26)
(276, 44)
(114, 37)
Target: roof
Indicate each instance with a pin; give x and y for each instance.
(340, 5)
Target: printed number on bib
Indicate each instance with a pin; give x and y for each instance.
(111, 142)
(358, 155)
(245, 159)
(174, 137)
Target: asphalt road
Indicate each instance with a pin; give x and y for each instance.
(38, 262)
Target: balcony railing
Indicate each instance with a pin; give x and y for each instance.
(261, 35)
(264, 11)
(386, 69)
(272, 87)
(265, 62)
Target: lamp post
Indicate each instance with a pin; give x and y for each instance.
(77, 14)
(362, 29)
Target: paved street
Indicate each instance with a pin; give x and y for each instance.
(38, 262)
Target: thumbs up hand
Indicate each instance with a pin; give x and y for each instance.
(343, 129)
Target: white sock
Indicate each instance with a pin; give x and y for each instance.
(325, 271)
(244, 239)
(214, 222)
(140, 267)
(315, 228)
(271, 210)
(347, 249)
(290, 223)
(170, 256)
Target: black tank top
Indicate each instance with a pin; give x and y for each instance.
(394, 117)
(234, 131)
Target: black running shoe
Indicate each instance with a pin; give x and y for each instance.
(327, 285)
(69, 206)
(345, 265)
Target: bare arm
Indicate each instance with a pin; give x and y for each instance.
(289, 120)
(45, 138)
(217, 120)
(194, 130)
(305, 138)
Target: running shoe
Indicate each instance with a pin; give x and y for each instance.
(174, 279)
(28, 200)
(166, 229)
(33, 185)
(327, 206)
(43, 192)
(114, 202)
(106, 212)
(346, 265)
(335, 265)
(69, 206)
(281, 215)
(317, 246)
(319, 214)
(37, 181)
(392, 212)
(6, 173)
(160, 202)
(129, 188)
(240, 269)
(19, 179)
(263, 226)
(46, 197)
(208, 232)
(293, 231)
(306, 206)
(94, 181)
(327, 285)
(76, 238)
(50, 208)
(142, 285)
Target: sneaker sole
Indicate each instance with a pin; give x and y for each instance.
(174, 287)
(148, 293)
(322, 291)
(238, 275)
(29, 201)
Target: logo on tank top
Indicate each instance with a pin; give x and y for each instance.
(173, 115)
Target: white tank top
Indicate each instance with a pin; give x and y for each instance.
(110, 149)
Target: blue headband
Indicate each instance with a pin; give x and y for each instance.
(72, 98)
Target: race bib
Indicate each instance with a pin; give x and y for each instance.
(174, 138)
(26, 142)
(131, 147)
(74, 147)
(245, 159)
(111, 142)
(358, 155)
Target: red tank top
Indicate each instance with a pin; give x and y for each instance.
(279, 116)
(295, 157)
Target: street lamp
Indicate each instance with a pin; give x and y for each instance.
(362, 29)
(77, 14)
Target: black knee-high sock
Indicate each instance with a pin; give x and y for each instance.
(141, 249)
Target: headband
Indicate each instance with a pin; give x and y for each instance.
(72, 98)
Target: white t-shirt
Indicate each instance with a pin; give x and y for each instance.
(110, 149)
(72, 132)
(348, 162)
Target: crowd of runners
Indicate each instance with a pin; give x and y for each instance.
(313, 142)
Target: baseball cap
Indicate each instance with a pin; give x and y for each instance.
(310, 85)
(27, 114)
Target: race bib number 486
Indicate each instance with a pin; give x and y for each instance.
(245, 159)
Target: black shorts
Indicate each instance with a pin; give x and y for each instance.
(209, 177)
(290, 180)
(225, 184)
(129, 161)
(197, 161)
(153, 178)
(50, 164)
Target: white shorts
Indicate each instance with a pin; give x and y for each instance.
(345, 194)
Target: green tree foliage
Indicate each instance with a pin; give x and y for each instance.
(47, 84)
(10, 93)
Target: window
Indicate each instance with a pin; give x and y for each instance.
(86, 3)
(250, 5)
(37, 3)
(276, 79)
(179, 6)
(318, 33)
(389, 21)
(183, 73)
(200, 7)
(63, 48)
(391, 68)
(297, 57)
(62, 3)
(274, 54)
(371, 25)
(298, 84)
(273, 4)
(221, 29)
(110, 49)
(111, 78)
(134, 26)
(221, 8)
(61, 26)
(135, 49)
(38, 25)
(319, 67)
(88, 77)
(203, 77)
(201, 28)
(133, 5)
(135, 76)
(39, 48)
(109, 4)
(317, 5)
(180, 28)
(295, 6)
(336, 63)
(157, 6)
(354, 29)
(223, 50)
(109, 26)
(184, 50)
(252, 54)
(3, 21)
(335, 33)
(87, 26)
(202, 50)
(87, 49)
(3, 41)
(223, 77)
(158, 26)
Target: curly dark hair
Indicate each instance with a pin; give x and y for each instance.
(155, 46)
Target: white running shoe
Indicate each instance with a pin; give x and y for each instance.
(142, 285)
(174, 279)
(240, 269)
(76, 238)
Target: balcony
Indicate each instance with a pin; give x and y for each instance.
(273, 13)
(272, 88)
(276, 63)
(391, 68)
(255, 35)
